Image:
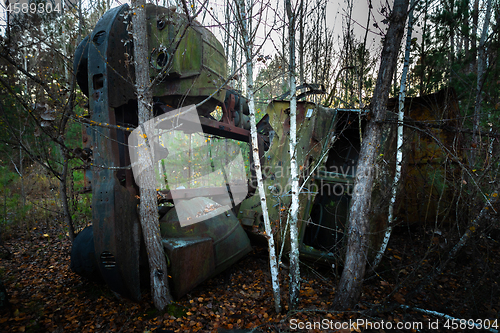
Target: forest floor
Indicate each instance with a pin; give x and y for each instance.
(46, 296)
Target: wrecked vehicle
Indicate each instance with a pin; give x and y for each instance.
(329, 141)
(113, 248)
(328, 149)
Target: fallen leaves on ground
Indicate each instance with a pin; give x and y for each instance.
(46, 296)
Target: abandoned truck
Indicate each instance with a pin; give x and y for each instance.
(328, 146)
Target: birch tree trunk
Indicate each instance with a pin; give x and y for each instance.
(399, 151)
(362, 69)
(294, 207)
(351, 280)
(422, 50)
(302, 51)
(255, 153)
(148, 208)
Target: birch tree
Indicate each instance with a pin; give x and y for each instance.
(399, 149)
(148, 203)
(350, 284)
(294, 207)
(248, 43)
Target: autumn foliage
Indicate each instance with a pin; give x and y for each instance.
(45, 296)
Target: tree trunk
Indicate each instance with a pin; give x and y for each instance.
(481, 63)
(363, 54)
(148, 204)
(301, 43)
(294, 208)
(451, 9)
(467, 34)
(255, 151)
(473, 36)
(351, 280)
(64, 195)
(422, 51)
(399, 150)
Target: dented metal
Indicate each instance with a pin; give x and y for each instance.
(193, 72)
(327, 153)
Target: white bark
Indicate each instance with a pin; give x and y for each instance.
(301, 42)
(255, 151)
(294, 207)
(148, 203)
(399, 150)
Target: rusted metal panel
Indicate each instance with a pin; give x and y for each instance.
(204, 192)
(116, 227)
(229, 241)
(428, 164)
(198, 65)
(325, 200)
(229, 131)
(191, 261)
(328, 212)
(314, 132)
(106, 74)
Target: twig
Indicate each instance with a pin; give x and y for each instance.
(453, 319)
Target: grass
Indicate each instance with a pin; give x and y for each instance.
(33, 202)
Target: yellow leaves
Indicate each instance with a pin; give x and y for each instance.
(355, 327)
(307, 292)
(472, 229)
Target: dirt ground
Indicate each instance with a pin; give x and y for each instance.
(45, 296)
